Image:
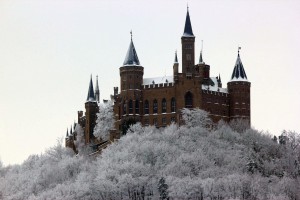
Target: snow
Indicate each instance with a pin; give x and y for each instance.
(214, 87)
(158, 80)
(239, 79)
(187, 35)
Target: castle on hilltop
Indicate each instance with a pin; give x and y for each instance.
(158, 101)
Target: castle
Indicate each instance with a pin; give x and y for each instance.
(158, 101)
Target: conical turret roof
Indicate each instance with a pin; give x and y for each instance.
(91, 94)
(131, 56)
(188, 31)
(239, 73)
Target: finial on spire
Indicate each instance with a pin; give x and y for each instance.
(239, 48)
(187, 6)
(131, 34)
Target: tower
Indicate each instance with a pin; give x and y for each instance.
(91, 109)
(239, 90)
(188, 47)
(131, 77)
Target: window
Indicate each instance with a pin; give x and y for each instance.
(173, 105)
(130, 106)
(155, 122)
(188, 100)
(164, 121)
(155, 106)
(146, 122)
(137, 106)
(124, 108)
(173, 119)
(188, 56)
(146, 107)
(164, 106)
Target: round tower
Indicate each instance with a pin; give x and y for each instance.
(91, 110)
(131, 77)
(239, 91)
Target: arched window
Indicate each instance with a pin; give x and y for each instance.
(188, 100)
(164, 106)
(137, 106)
(124, 107)
(146, 107)
(130, 107)
(173, 105)
(155, 105)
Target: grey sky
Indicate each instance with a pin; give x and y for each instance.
(49, 48)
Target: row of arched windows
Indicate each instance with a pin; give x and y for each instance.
(188, 104)
(163, 106)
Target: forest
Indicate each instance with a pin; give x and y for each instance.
(197, 161)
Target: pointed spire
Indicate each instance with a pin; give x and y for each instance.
(188, 31)
(219, 78)
(131, 56)
(67, 132)
(200, 58)
(71, 131)
(91, 95)
(238, 73)
(97, 91)
(176, 59)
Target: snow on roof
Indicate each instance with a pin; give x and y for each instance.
(158, 80)
(214, 87)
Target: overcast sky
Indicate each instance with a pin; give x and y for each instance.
(49, 49)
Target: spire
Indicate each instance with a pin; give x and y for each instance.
(200, 58)
(67, 132)
(71, 131)
(131, 56)
(219, 78)
(238, 73)
(188, 31)
(97, 92)
(91, 95)
(176, 59)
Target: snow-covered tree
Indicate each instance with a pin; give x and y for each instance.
(196, 117)
(105, 121)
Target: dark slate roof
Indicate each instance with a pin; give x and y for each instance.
(176, 59)
(239, 73)
(131, 56)
(188, 31)
(91, 95)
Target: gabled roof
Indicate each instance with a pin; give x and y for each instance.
(188, 31)
(238, 73)
(91, 95)
(131, 56)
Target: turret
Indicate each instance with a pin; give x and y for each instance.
(188, 47)
(91, 110)
(239, 90)
(202, 68)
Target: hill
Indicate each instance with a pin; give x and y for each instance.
(193, 161)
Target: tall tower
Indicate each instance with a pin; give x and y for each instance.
(91, 110)
(131, 77)
(188, 47)
(239, 90)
